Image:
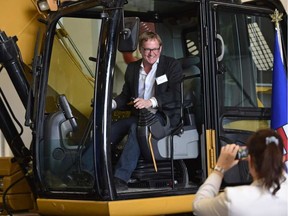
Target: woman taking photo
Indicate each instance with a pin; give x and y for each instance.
(268, 193)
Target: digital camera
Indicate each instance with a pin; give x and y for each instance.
(242, 153)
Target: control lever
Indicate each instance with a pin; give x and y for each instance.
(64, 105)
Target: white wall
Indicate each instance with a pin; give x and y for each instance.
(18, 109)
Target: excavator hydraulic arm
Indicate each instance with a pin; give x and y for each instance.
(10, 59)
(14, 170)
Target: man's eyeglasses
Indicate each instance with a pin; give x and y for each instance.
(148, 50)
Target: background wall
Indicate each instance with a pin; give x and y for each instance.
(18, 109)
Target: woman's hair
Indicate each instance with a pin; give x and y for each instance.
(145, 36)
(266, 150)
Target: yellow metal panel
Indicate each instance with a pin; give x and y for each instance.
(71, 207)
(247, 125)
(152, 206)
(19, 17)
(19, 196)
(8, 166)
(17, 202)
(134, 207)
(21, 187)
(210, 150)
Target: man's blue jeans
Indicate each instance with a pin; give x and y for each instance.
(130, 154)
(129, 157)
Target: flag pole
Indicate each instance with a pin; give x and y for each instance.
(276, 18)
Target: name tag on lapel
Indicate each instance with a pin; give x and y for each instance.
(161, 79)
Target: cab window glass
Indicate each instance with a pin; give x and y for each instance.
(67, 128)
(244, 71)
(248, 60)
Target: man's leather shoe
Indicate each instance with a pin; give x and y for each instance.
(120, 184)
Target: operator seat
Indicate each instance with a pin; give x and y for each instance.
(185, 144)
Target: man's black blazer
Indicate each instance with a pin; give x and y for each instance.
(167, 93)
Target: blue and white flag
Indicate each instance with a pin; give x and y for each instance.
(279, 103)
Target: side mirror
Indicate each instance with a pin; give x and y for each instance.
(128, 38)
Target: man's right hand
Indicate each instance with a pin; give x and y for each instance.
(140, 103)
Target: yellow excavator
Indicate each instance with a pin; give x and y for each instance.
(66, 61)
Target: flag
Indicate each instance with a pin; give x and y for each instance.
(279, 103)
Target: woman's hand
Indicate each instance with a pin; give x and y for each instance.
(227, 156)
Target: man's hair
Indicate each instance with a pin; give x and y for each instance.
(145, 36)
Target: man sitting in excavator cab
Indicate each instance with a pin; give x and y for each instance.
(152, 84)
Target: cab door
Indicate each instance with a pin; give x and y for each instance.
(241, 85)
